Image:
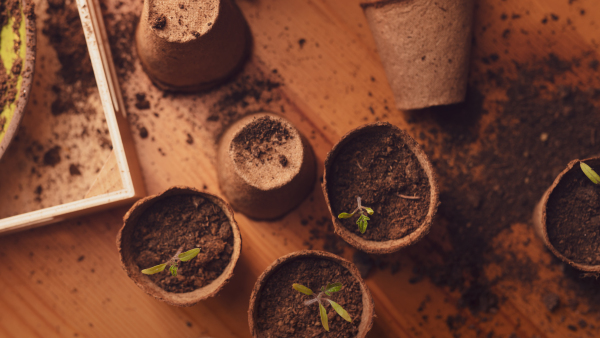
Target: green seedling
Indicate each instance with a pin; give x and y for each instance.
(363, 219)
(590, 173)
(172, 263)
(321, 299)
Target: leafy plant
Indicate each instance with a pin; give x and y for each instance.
(321, 299)
(590, 173)
(363, 219)
(172, 263)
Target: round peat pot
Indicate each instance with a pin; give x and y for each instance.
(567, 218)
(278, 310)
(265, 166)
(425, 48)
(192, 45)
(20, 65)
(387, 169)
(180, 218)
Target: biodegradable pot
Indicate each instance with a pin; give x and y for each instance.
(28, 42)
(264, 184)
(540, 214)
(125, 237)
(366, 319)
(191, 45)
(388, 246)
(424, 46)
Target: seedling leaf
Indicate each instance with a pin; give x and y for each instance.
(324, 317)
(590, 173)
(340, 310)
(173, 269)
(331, 288)
(303, 289)
(362, 223)
(369, 211)
(186, 256)
(154, 269)
(345, 215)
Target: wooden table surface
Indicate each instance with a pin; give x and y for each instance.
(65, 280)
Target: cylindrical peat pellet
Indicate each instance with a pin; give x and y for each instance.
(191, 45)
(424, 46)
(265, 166)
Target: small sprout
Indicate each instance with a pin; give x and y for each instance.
(184, 257)
(363, 219)
(590, 173)
(319, 298)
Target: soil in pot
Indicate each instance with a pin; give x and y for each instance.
(573, 217)
(281, 312)
(379, 167)
(190, 221)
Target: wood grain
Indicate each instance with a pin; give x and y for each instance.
(64, 280)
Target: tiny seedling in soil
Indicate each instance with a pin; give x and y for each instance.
(590, 173)
(321, 299)
(172, 263)
(363, 219)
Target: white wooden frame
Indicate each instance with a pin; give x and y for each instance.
(114, 111)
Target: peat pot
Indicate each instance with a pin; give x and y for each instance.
(265, 166)
(278, 310)
(180, 218)
(567, 217)
(390, 173)
(424, 46)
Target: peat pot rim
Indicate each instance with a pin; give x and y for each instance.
(28, 69)
(540, 217)
(366, 321)
(143, 281)
(392, 245)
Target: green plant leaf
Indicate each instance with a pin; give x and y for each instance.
(303, 289)
(331, 288)
(369, 211)
(173, 269)
(323, 313)
(362, 223)
(345, 215)
(590, 173)
(340, 310)
(186, 256)
(154, 269)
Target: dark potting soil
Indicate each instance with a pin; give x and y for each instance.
(259, 142)
(573, 217)
(187, 221)
(379, 167)
(280, 309)
(159, 21)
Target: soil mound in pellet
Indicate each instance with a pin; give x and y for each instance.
(264, 153)
(573, 218)
(281, 312)
(379, 167)
(188, 221)
(183, 21)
